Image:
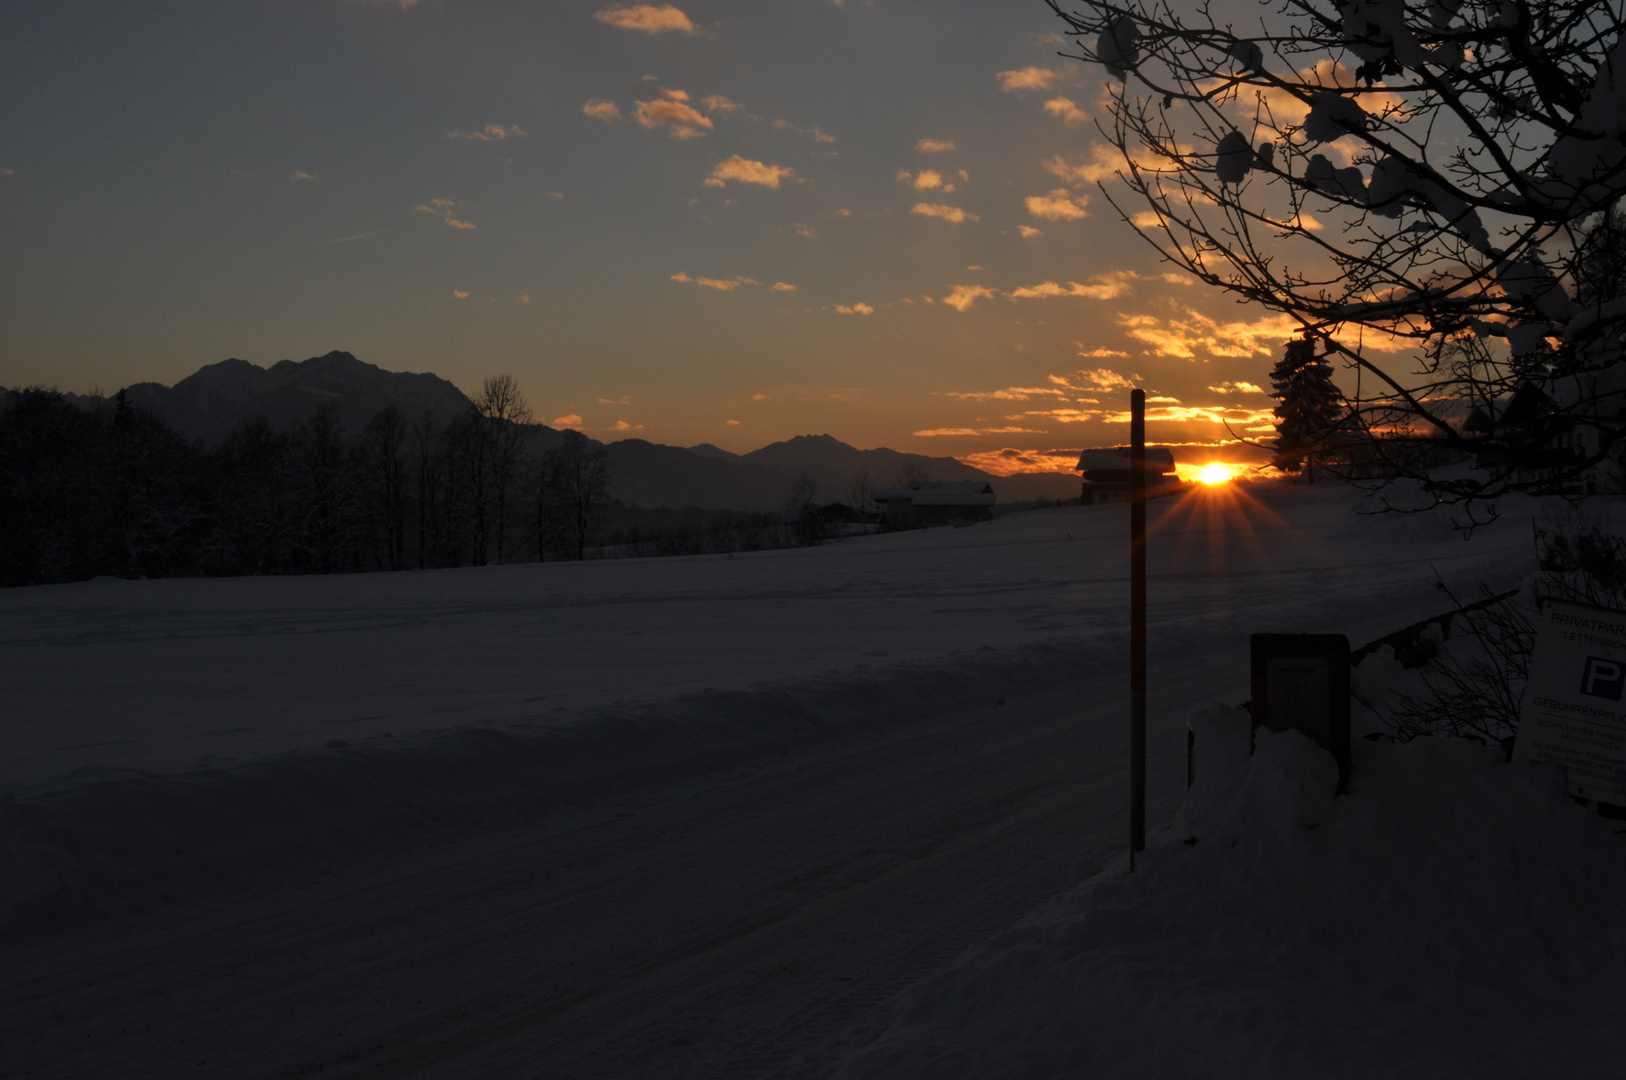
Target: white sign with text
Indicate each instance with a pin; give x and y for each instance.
(1573, 713)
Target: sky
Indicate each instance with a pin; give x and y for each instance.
(713, 221)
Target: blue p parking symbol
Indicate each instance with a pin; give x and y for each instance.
(1603, 678)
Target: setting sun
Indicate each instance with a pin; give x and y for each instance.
(1215, 472)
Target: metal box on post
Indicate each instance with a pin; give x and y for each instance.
(1301, 681)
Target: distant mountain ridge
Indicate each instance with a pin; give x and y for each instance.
(207, 404)
(210, 402)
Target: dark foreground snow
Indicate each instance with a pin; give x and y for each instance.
(714, 817)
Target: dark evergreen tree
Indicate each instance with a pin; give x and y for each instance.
(1308, 408)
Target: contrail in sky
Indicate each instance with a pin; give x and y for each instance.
(358, 236)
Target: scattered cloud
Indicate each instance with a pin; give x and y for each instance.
(1032, 78)
(1103, 161)
(1102, 379)
(805, 230)
(732, 423)
(647, 19)
(1099, 352)
(783, 286)
(461, 294)
(624, 399)
(1009, 393)
(719, 284)
(1063, 109)
(622, 425)
(571, 421)
(1196, 333)
(925, 180)
(951, 214)
(1236, 388)
(493, 132)
(1059, 205)
(525, 298)
(1146, 219)
(745, 171)
(554, 195)
(934, 146)
(855, 309)
(1029, 232)
(442, 208)
(841, 213)
(1067, 416)
(671, 109)
(961, 297)
(718, 103)
(602, 109)
(1008, 461)
(1213, 414)
(930, 432)
(298, 174)
(811, 132)
(1107, 286)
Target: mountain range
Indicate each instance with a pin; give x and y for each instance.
(207, 404)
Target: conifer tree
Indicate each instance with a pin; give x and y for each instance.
(1308, 410)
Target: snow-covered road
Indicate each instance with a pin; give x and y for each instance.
(853, 823)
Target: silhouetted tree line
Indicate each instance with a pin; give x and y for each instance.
(117, 491)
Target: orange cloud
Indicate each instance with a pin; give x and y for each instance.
(1184, 338)
(1032, 78)
(1009, 461)
(934, 146)
(745, 171)
(601, 109)
(930, 432)
(647, 19)
(299, 174)
(461, 294)
(571, 421)
(1059, 205)
(491, 133)
(1104, 161)
(1010, 393)
(671, 110)
(1028, 231)
(927, 180)
(718, 103)
(783, 286)
(961, 297)
(622, 425)
(442, 208)
(1103, 287)
(719, 284)
(855, 309)
(951, 214)
(1066, 111)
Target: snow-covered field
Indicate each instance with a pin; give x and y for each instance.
(702, 816)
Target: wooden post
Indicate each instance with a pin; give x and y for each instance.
(1137, 624)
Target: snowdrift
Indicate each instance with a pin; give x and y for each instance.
(104, 841)
(1452, 916)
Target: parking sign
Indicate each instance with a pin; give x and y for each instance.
(1572, 712)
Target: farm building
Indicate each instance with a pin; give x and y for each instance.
(946, 503)
(1106, 474)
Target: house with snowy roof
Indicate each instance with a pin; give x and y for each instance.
(955, 502)
(1106, 474)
